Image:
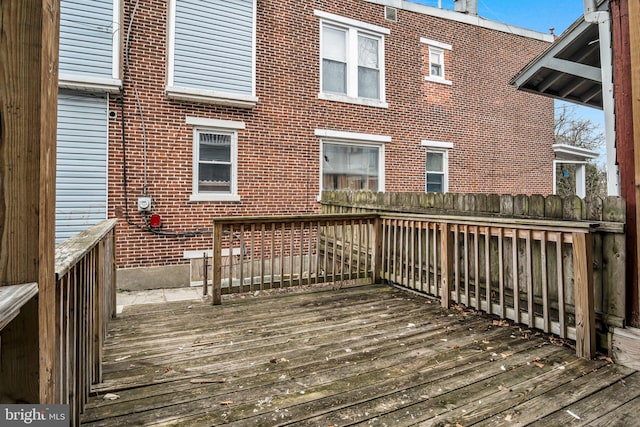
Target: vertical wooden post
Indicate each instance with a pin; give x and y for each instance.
(446, 264)
(584, 300)
(28, 111)
(634, 44)
(216, 291)
(376, 246)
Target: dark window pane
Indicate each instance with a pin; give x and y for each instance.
(435, 183)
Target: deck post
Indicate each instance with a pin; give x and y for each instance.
(584, 295)
(376, 247)
(216, 291)
(28, 108)
(446, 264)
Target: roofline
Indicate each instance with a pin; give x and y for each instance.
(475, 20)
(575, 151)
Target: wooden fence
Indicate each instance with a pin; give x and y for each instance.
(537, 272)
(85, 301)
(606, 215)
(279, 252)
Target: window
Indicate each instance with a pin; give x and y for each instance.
(352, 61)
(211, 52)
(437, 166)
(215, 166)
(351, 161)
(436, 171)
(436, 61)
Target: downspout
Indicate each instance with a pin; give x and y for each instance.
(603, 19)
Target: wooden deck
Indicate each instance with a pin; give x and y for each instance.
(368, 355)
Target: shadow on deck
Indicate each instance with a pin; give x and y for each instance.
(370, 355)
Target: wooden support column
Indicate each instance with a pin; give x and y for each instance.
(634, 46)
(216, 290)
(625, 150)
(584, 298)
(376, 245)
(446, 264)
(28, 114)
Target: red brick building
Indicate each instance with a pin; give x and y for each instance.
(384, 95)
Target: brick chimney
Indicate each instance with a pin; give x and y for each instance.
(466, 6)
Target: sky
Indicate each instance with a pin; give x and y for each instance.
(539, 15)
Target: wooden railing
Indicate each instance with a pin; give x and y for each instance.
(256, 253)
(534, 272)
(85, 301)
(538, 273)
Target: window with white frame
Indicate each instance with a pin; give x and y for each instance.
(437, 166)
(351, 161)
(436, 60)
(352, 60)
(215, 159)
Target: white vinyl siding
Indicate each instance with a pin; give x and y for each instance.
(212, 47)
(81, 163)
(87, 35)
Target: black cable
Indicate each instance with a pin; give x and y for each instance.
(125, 181)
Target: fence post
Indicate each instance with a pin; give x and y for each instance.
(376, 247)
(216, 291)
(446, 264)
(584, 295)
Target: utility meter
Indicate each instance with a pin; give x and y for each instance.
(144, 204)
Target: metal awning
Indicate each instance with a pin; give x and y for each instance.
(569, 69)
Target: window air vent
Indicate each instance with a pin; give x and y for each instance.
(391, 13)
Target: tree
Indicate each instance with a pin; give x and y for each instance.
(572, 130)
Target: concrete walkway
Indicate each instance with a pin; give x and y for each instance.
(155, 296)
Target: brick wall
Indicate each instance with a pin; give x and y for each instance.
(502, 138)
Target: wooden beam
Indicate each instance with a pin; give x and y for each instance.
(28, 114)
(446, 264)
(624, 148)
(584, 298)
(634, 45)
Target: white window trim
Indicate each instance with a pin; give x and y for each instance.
(352, 88)
(436, 46)
(355, 138)
(351, 136)
(438, 147)
(180, 93)
(215, 125)
(89, 83)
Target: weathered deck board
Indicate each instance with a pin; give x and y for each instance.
(369, 355)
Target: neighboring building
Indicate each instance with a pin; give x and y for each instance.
(240, 107)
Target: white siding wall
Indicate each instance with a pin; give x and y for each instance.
(81, 175)
(86, 37)
(214, 45)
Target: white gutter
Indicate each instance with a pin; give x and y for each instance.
(603, 19)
